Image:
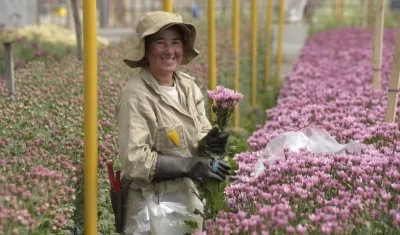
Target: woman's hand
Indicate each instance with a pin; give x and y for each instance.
(215, 141)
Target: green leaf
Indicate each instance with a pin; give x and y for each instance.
(192, 224)
(198, 212)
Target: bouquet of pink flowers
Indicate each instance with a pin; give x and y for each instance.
(223, 101)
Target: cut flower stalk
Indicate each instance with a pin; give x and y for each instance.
(211, 192)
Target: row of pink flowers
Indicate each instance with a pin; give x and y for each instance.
(330, 87)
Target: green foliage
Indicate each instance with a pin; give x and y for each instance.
(323, 18)
(44, 123)
(47, 43)
(238, 136)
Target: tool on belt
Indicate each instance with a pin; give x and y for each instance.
(118, 194)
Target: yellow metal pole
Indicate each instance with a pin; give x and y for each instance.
(236, 48)
(268, 43)
(335, 9)
(365, 12)
(378, 44)
(342, 10)
(212, 64)
(90, 116)
(371, 12)
(254, 28)
(167, 5)
(280, 41)
(339, 9)
(394, 82)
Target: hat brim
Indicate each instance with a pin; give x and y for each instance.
(136, 57)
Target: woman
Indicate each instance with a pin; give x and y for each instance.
(161, 117)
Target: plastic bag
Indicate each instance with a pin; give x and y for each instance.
(163, 215)
(168, 218)
(313, 139)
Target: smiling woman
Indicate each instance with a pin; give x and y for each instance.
(164, 53)
(161, 118)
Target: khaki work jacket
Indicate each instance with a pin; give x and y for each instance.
(145, 114)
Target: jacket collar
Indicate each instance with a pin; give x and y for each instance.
(148, 78)
(181, 84)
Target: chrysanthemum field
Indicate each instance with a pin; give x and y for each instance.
(330, 87)
(41, 146)
(41, 136)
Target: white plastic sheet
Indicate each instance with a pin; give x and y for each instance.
(312, 139)
(162, 215)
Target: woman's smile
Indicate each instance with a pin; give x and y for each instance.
(165, 51)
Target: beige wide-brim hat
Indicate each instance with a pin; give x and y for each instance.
(157, 21)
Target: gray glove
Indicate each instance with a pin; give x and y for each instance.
(170, 167)
(215, 141)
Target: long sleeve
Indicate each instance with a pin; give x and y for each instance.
(136, 139)
(205, 123)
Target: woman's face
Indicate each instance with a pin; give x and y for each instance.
(164, 50)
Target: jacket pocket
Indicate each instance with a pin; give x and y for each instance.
(170, 138)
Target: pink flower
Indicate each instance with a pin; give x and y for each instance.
(224, 101)
(222, 94)
(35, 45)
(329, 87)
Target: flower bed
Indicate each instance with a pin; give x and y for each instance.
(47, 43)
(308, 193)
(41, 139)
